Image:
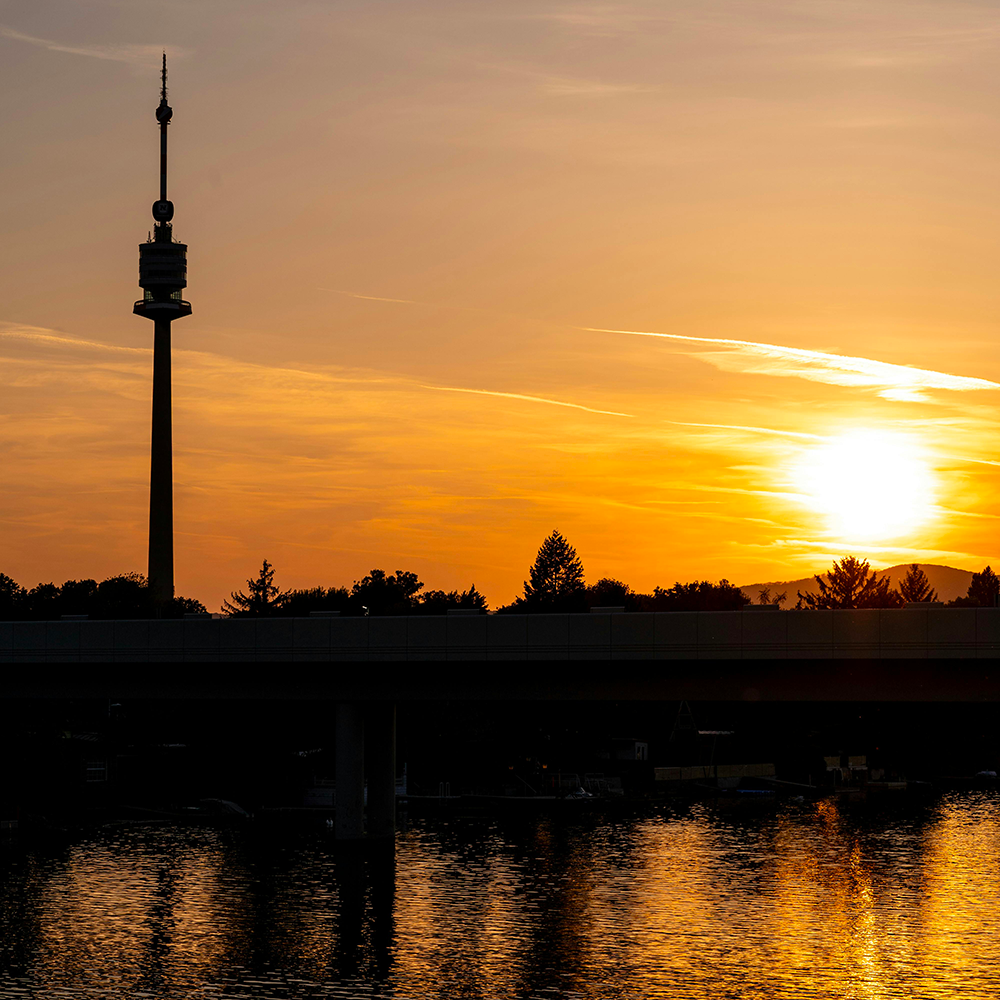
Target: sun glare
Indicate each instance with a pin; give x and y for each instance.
(871, 485)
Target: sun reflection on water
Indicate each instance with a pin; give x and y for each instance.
(827, 899)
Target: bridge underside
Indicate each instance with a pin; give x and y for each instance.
(831, 680)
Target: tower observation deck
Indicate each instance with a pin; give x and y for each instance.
(162, 277)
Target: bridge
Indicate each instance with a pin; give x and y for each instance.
(365, 666)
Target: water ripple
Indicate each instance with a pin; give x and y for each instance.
(754, 900)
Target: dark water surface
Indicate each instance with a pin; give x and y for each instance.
(744, 899)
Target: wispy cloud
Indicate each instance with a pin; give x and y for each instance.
(45, 337)
(208, 362)
(371, 298)
(136, 55)
(749, 429)
(529, 399)
(895, 382)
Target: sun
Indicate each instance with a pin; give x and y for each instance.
(872, 485)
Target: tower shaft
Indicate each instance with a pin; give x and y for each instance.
(163, 277)
(161, 477)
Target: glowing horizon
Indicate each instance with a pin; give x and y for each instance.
(666, 287)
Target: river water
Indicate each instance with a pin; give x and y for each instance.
(886, 898)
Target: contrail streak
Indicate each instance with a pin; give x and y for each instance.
(137, 55)
(898, 382)
(34, 335)
(752, 430)
(372, 298)
(529, 399)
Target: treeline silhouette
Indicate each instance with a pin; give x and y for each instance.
(124, 596)
(851, 583)
(555, 583)
(378, 593)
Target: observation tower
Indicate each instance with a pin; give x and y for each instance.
(162, 277)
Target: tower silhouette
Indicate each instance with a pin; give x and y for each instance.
(162, 275)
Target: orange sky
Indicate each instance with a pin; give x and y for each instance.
(417, 233)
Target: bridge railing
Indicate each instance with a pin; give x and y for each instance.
(911, 633)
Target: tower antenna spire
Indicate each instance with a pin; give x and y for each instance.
(162, 277)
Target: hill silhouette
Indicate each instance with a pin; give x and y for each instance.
(946, 580)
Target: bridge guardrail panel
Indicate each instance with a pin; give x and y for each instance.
(810, 635)
(426, 638)
(548, 637)
(387, 638)
(166, 640)
(310, 640)
(590, 636)
(274, 639)
(29, 642)
(97, 642)
(856, 634)
(349, 639)
(720, 635)
(62, 642)
(466, 637)
(675, 635)
(903, 633)
(131, 641)
(237, 640)
(987, 633)
(507, 637)
(765, 635)
(202, 639)
(951, 633)
(633, 636)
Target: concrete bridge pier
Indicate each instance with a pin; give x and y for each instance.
(365, 747)
(380, 765)
(349, 818)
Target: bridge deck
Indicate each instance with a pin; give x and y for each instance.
(935, 654)
(912, 634)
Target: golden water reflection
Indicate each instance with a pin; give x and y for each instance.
(828, 899)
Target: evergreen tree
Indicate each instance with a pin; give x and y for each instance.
(263, 599)
(852, 584)
(556, 577)
(984, 588)
(916, 588)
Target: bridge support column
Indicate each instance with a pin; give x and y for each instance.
(380, 763)
(349, 821)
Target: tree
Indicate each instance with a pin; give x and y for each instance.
(12, 599)
(42, 603)
(181, 606)
(982, 593)
(765, 597)
(610, 593)
(124, 596)
(263, 599)
(916, 588)
(699, 596)
(852, 584)
(301, 603)
(381, 593)
(438, 602)
(556, 577)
